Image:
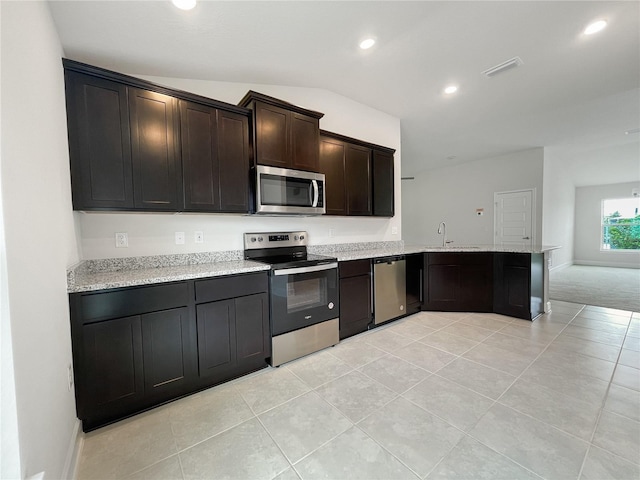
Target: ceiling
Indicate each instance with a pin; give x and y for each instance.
(571, 90)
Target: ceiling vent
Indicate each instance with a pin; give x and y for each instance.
(502, 67)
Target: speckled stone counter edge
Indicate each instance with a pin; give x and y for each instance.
(90, 275)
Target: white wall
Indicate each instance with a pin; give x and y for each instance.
(452, 194)
(558, 208)
(588, 226)
(570, 166)
(153, 234)
(39, 234)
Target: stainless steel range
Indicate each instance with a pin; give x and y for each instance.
(303, 294)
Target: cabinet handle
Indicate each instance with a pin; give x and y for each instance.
(526, 238)
(421, 287)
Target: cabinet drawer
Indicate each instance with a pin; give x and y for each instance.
(132, 301)
(460, 258)
(515, 259)
(229, 287)
(355, 267)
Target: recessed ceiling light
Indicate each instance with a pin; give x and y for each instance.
(184, 4)
(451, 89)
(595, 27)
(367, 43)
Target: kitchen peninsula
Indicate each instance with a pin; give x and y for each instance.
(147, 330)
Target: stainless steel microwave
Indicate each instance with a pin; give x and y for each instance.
(286, 191)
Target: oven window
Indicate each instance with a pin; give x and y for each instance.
(278, 190)
(306, 293)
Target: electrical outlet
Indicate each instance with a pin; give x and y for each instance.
(198, 237)
(69, 377)
(394, 230)
(331, 232)
(122, 240)
(179, 238)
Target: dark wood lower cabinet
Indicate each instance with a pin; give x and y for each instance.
(458, 282)
(355, 297)
(166, 347)
(109, 366)
(518, 290)
(232, 335)
(414, 283)
(135, 348)
(507, 283)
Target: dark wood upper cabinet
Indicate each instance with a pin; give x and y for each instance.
(129, 139)
(272, 135)
(157, 178)
(358, 180)
(285, 135)
(383, 184)
(233, 153)
(305, 138)
(215, 159)
(99, 142)
(359, 176)
(200, 166)
(332, 158)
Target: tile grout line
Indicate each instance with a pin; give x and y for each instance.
(602, 407)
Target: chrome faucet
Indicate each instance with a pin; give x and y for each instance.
(442, 230)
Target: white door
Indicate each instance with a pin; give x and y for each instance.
(514, 218)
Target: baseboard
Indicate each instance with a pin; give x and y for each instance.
(73, 452)
(591, 263)
(562, 266)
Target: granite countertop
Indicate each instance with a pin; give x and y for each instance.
(93, 275)
(409, 249)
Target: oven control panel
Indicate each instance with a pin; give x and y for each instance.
(274, 240)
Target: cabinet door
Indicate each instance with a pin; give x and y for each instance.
(99, 143)
(459, 282)
(216, 338)
(157, 177)
(355, 305)
(233, 155)
(272, 135)
(305, 137)
(111, 381)
(332, 158)
(415, 269)
(200, 164)
(358, 180)
(383, 191)
(168, 362)
(512, 290)
(253, 338)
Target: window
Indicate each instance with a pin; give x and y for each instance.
(621, 224)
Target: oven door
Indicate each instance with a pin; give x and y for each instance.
(303, 296)
(286, 191)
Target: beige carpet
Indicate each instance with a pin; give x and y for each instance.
(601, 286)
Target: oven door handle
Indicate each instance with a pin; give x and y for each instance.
(314, 268)
(314, 202)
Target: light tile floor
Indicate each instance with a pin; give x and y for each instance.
(432, 396)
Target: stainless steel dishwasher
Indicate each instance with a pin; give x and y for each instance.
(389, 288)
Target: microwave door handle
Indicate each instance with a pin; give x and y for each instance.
(314, 202)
